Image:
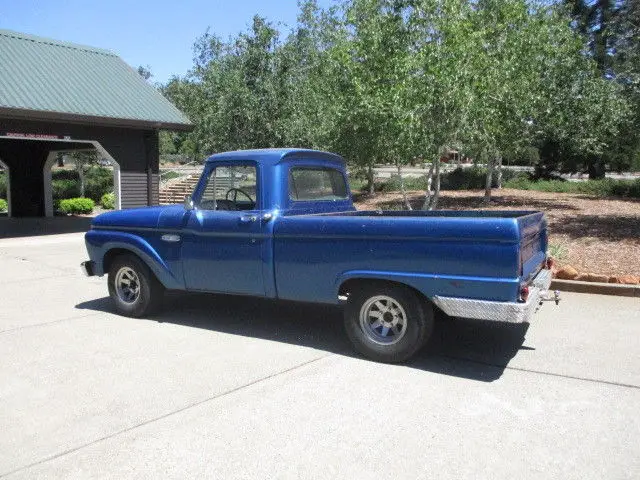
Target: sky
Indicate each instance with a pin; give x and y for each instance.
(157, 33)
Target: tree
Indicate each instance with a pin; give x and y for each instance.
(405, 81)
(611, 32)
(442, 87)
(625, 153)
(83, 160)
(593, 19)
(368, 62)
(580, 112)
(308, 79)
(145, 72)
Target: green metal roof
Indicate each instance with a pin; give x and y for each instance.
(45, 79)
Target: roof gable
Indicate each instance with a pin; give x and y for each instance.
(47, 79)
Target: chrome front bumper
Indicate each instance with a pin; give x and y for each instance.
(87, 268)
(510, 312)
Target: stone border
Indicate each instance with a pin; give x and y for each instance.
(596, 288)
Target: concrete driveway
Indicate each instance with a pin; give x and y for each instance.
(234, 388)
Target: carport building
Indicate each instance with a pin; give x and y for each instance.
(57, 96)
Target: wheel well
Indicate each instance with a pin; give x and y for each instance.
(114, 253)
(353, 283)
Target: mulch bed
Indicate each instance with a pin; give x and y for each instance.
(597, 235)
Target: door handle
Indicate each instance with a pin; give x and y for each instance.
(170, 238)
(248, 218)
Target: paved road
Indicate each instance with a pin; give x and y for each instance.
(231, 388)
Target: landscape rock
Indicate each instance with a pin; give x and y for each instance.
(596, 277)
(567, 273)
(592, 277)
(625, 280)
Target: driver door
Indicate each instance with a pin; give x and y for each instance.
(223, 240)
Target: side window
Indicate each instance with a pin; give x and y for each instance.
(313, 183)
(230, 188)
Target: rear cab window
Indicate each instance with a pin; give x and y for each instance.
(313, 184)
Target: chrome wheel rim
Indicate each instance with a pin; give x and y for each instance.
(127, 285)
(383, 320)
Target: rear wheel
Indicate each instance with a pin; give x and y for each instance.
(387, 322)
(134, 289)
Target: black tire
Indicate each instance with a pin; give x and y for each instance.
(418, 323)
(150, 290)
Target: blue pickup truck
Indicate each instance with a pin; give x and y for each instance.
(280, 223)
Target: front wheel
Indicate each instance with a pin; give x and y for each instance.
(134, 289)
(387, 322)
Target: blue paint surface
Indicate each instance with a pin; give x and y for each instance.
(305, 250)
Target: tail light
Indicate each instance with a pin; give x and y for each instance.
(524, 293)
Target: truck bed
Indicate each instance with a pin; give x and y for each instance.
(466, 254)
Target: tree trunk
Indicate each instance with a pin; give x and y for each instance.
(428, 193)
(81, 176)
(405, 200)
(488, 180)
(499, 172)
(370, 180)
(436, 192)
(596, 170)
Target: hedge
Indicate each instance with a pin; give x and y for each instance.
(3, 205)
(607, 187)
(108, 201)
(471, 178)
(77, 205)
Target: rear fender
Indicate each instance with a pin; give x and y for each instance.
(101, 242)
(430, 285)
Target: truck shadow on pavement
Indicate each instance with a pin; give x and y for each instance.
(462, 348)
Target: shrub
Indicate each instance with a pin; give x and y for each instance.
(558, 251)
(3, 185)
(3, 205)
(604, 188)
(108, 201)
(471, 178)
(65, 189)
(410, 183)
(77, 205)
(64, 174)
(168, 175)
(98, 181)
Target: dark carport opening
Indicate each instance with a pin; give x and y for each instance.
(27, 172)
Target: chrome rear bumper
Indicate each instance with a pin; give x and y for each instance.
(510, 312)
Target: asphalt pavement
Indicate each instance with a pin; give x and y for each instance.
(227, 388)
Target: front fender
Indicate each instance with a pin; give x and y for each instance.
(100, 242)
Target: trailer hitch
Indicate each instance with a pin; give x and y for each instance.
(548, 296)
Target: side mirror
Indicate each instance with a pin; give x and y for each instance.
(188, 203)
